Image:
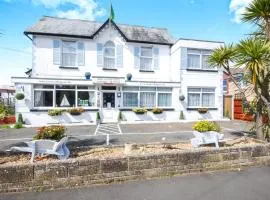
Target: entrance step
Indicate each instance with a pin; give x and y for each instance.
(108, 128)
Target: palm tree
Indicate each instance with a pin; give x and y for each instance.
(258, 12)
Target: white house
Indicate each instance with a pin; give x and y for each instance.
(168, 74)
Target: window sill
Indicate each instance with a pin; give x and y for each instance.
(109, 69)
(203, 70)
(64, 67)
(47, 109)
(151, 71)
(212, 108)
(149, 109)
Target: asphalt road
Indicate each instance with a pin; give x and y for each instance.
(132, 133)
(251, 184)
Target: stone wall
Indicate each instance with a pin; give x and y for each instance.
(85, 172)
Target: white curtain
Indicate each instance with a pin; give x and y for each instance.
(193, 100)
(208, 100)
(164, 99)
(38, 99)
(148, 99)
(193, 61)
(130, 99)
(69, 53)
(205, 64)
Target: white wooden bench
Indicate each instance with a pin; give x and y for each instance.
(42, 147)
(210, 137)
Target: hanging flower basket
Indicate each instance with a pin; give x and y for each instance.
(202, 110)
(19, 96)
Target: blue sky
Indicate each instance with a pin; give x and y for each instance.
(198, 19)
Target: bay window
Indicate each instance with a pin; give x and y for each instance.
(198, 59)
(201, 97)
(130, 96)
(86, 96)
(65, 96)
(43, 95)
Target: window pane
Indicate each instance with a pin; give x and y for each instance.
(86, 99)
(109, 52)
(207, 52)
(148, 99)
(43, 98)
(193, 99)
(148, 89)
(146, 63)
(164, 99)
(43, 86)
(193, 61)
(194, 89)
(65, 98)
(205, 64)
(164, 89)
(83, 87)
(69, 53)
(109, 62)
(195, 51)
(130, 88)
(208, 89)
(69, 47)
(146, 51)
(208, 100)
(65, 86)
(130, 99)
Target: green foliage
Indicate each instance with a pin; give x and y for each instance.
(227, 114)
(50, 132)
(4, 126)
(97, 116)
(182, 117)
(157, 110)
(18, 125)
(204, 126)
(75, 111)
(120, 116)
(55, 112)
(19, 96)
(139, 111)
(3, 111)
(20, 118)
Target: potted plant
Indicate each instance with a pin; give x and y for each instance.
(98, 118)
(75, 111)
(202, 110)
(87, 75)
(129, 76)
(19, 96)
(55, 112)
(139, 111)
(206, 126)
(157, 111)
(50, 132)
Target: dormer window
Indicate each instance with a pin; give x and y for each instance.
(109, 55)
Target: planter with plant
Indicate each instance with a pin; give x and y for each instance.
(18, 125)
(129, 76)
(75, 111)
(182, 116)
(182, 97)
(50, 132)
(55, 112)
(87, 75)
(202, 110)
(19, 96)
(157, 111)
(139, 111)
(206, 127)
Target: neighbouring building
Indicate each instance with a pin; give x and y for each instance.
(129, 67)
(7, 95)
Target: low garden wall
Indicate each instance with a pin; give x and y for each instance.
(85, 172)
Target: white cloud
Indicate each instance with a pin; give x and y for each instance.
(237, 7)
(80, 9)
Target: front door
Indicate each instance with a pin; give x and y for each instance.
(108, 100)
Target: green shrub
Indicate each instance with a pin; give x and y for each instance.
(182, 117)
(75, 111)
(50, 132)
(18, 125)
(4, 126)
(120, 116)
(97, 116)
(20, 118)
(55, 112)
(157, 110)
(204, 126)
(19, 96)
(139, 111)
(3, 111)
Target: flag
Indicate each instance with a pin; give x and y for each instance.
(112, 13)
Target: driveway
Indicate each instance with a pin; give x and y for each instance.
(131, 133)
(250, 184)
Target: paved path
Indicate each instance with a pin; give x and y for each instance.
(251, 184)
(132, 133)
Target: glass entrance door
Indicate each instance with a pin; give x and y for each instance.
(108, 100)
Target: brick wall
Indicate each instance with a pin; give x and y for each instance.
(85, 172)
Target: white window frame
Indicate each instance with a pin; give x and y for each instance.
(152, 58)
(76, 59)
(104, 47)
(201, 94)
(201, 54)
(54, 96)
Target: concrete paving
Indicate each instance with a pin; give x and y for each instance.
(251, 184)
